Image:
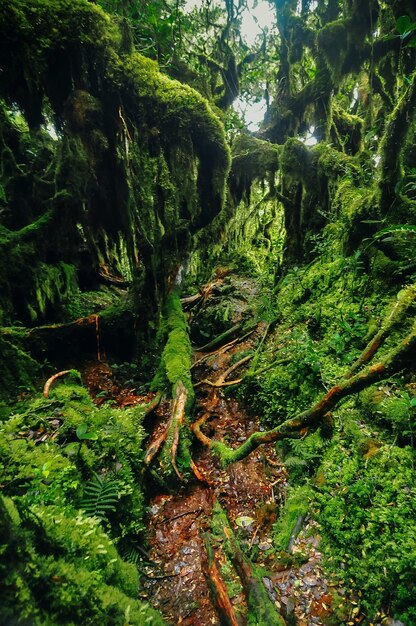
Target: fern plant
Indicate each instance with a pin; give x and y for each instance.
(100, 496)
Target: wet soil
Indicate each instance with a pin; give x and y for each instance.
(175, 571)
(251, 492)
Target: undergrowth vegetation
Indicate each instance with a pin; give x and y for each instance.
(72, 502)
(355, 476)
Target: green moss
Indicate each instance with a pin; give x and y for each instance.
(333, 44)
(18, 370)
(349, 130)
(165, 145)
(335, 164)
(179, 106)
(61, 565)
(356, 203)
(365, 510)
(297, 504)
(252, 159)
(295, 160)
(53, 284)
(176, 357)
(261, 610)
(81, 304)
(70, 582)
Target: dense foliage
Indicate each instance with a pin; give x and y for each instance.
(126, 174)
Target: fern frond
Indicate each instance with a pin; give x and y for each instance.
(100, 496)
(394, 229)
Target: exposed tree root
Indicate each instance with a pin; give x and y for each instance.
(405, 300)
(199, 475)
(153, 404)
(222, 349)
(154, 447)
(171, 430)
(220, 338)
(219, 594)
(196, 429)
(232, 369)
(220, 382)
(311, 419)
(259, 603)
(52, 379)
(261, 370)
(205, 381)
(178, 415)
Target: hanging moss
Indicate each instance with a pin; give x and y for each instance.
(333, 44)
(18, 370)
(349, 130)
(128, 185)
(252, 159)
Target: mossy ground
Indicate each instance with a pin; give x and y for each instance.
(62, 565)
(326, 312)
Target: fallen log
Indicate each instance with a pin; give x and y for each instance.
(262, 610)
(310, 419)
(218, 589)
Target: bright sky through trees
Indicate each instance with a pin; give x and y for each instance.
(257, 17)
(254, 21)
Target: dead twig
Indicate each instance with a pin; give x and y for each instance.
(220, 382)
(51, 380)
(310, 419)
(197, 512)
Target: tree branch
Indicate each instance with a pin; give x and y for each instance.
(310, 419)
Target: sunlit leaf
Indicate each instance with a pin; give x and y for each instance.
(244, 521)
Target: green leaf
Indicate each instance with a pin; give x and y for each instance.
(83, 433)
(100, 496)
(403, 24)
(244, 521)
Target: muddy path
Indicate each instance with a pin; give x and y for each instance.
(177, 578)
(186, 572)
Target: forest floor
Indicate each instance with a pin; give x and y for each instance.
(177, 573)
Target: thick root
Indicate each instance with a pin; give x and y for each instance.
(171, 432)
(51, 380)
(310, 420)
(219, 594)
(259, 603)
